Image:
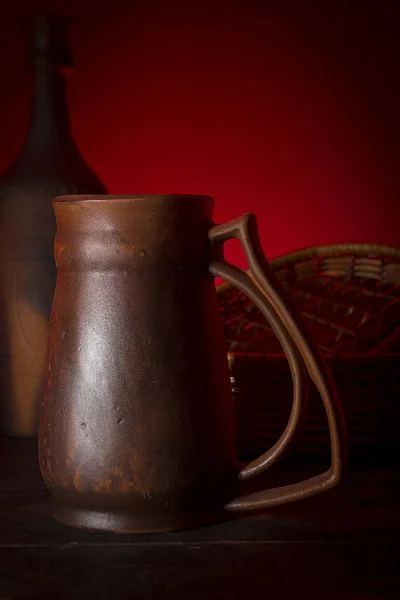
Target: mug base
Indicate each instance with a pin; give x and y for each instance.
(124, 521)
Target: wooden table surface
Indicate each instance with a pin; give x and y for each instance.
(344, 544)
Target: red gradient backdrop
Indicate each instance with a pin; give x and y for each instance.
(287, 109)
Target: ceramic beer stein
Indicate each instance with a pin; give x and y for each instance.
(136, 425)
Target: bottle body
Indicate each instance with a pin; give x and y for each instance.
(27, 281)
(49, 165)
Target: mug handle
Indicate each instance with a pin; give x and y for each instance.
(261, 285)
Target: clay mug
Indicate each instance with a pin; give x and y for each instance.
(137, 420)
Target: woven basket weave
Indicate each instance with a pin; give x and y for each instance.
(349, 295)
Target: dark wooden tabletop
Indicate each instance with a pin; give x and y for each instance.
(344, 544)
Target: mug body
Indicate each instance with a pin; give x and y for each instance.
(136, 424)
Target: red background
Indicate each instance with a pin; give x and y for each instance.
(287, 109)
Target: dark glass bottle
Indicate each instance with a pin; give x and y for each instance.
(48, 165)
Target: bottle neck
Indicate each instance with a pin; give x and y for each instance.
(49, 129)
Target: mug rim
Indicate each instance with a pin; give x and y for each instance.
(80, 198)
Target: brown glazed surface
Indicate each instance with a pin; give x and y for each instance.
(131, 436)
(136, 429)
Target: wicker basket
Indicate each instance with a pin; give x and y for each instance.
(350, 297)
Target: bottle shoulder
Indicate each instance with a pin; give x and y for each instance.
(53, 174)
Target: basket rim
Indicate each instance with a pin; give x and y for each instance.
(326, 250)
